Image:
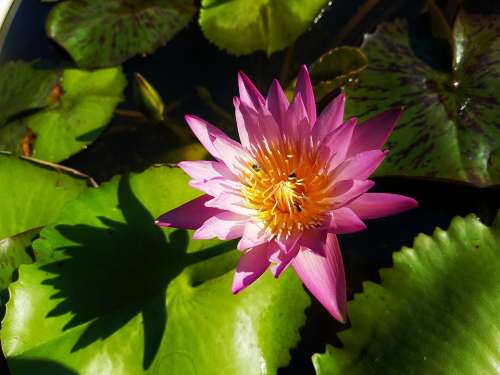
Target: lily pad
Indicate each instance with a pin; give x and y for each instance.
(32, 197)
(85, 107)
(245, 26)
(450, 124)
(100, 33)
(24, 87)
(113, 293)
(436, 312)
(335, 68)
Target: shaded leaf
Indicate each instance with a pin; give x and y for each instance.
(32, 197)
(24, 87)
(436, 312)
(335, 68)
(245, 26)
(86, 106)
(114, 293)
(105, 33)
(450, 123)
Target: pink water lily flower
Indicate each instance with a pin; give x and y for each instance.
(289, 187)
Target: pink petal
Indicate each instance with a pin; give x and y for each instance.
(216, 186)
(330, 118)
(360, 166)
(206, 133)
(277, 103)
(372, 134)
(254, 235)
(231, 153)
(205, 170)
(250, 266)
(344, 192)
(296, 121)
(304, 87)
(281, 260)
(344, 220)
(314, 240)
(375, 205)
(324, 277)
(249, 93)
(287, 242)
(337, 142)
(233, 202)
(225, 226)
(242, 123)
(190, 215)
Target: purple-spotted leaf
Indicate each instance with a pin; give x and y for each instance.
(450, 125)
(100, 33)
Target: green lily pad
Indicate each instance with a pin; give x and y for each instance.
(245, 26)
(32, 197)
(113, 293)
(24, 87)
(106, 33)
(436, 312)
(84, 109)
(335, 68)
(450, 124)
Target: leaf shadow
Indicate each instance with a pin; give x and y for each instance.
(119, 270)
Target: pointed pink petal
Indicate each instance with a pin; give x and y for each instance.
(190, 215)
(304, 87)
(375, 205)
(225, 226)
(206, 170)
(344, 192)
(287, 242)
(250, 266)
(249, 93)
(360, 166)
(372, 134)
(324, 277)
(231, 153)
(281, 260)
(338, 141)
(277, 103)
(344, 220)
(254, 235)
(216, 186)
(296, 122)
(330, 118)
(206, 133)
(233, 202)
(269, 129)
(242, 123)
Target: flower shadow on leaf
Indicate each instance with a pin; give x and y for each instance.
(117, 271)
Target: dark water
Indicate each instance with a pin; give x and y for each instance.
(190, 60)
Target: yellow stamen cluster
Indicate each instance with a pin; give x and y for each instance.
(288, 185)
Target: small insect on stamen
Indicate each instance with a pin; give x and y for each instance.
(255, 167)
(292, 175)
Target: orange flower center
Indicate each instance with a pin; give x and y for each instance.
(288, 185)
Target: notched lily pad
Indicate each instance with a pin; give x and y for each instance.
(100, 33)
(85, 106)
(335, 68)
(436, 312)
(114, 293)
(24, 87)
(245, 26)
(450, 123)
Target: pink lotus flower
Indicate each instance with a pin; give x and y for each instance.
(293, 183)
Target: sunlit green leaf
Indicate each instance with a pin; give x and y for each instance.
(32, 196)
(436, 312)
(24, 87)
(115, 294)
(86, 105)
(450, 124)
(245, 26)
(100, 33)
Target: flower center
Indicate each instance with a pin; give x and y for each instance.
(288, 186)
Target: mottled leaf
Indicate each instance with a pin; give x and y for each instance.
(436, 312)
(100, 33)
(115, 294)
(450, 124)
(245, 26)
(86, 105)
(24, 87)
